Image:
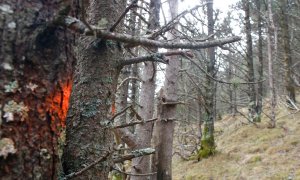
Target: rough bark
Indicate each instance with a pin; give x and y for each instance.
(164, 128)
(260, 62)
(252, 114)
(287, 57)
(207, 142)
(95, 81)
(36, 63)
(144, 131)
(271, 58)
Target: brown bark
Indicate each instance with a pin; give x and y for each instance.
(287, 57)
(36, 63)
(207, 141)
(164, 128)
(271, 29)
(252, 114)
(144, 131)
(260, 61)
(95, 82)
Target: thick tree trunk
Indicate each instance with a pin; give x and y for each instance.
(88, 136)
(144, 131)
(207, 142)
(36, 63)
(252, 114)
(287, 58)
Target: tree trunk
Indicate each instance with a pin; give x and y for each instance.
(252, 114)
(143, 132)
(208, 143)
(260, 62)
(287, 59)
(164, 129)
(36, 64)
(88, 136)
(271, 58)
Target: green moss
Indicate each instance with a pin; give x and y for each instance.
(208, 147)
(257, 118)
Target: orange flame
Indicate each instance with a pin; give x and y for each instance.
(58, 104)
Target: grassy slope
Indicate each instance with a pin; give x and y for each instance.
(249, 152)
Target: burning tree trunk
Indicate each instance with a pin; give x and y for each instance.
(36, 63)
(88, 136)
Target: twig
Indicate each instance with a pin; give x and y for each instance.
(132, 5)
(121, 112)
(100, 159)
(130, 174)
(133, 123)
(218, 80)
(134, 154)
(292, 103)
(129, 78)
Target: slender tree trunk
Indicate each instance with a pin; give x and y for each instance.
(249, 58)
(36, 64)
(287, 58)
(95, 81)
(260, 62)
(208, 141)
(164, 130)
(271, 58)
(144, 131)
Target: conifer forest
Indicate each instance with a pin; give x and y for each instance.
(149, 89)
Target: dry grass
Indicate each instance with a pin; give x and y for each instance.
(249, 152)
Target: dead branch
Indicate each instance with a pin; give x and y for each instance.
(121, 112)
(132, 5)
(79, 27)
(100, 159)
(152, 58)
(134, 154)
(218, 80)
(133, 123)
(127, 79)
(130, 174)
(155, 57)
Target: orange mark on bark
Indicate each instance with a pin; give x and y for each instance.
(113, 108)
(58, 105)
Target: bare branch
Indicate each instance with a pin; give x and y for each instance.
(121, 112)
(129, 78)
(134, 154)
(77, 26)
(133, 123)
(100, 159)
(132, 5)
(131, 174)
(156, 57)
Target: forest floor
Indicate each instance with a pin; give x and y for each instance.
(246, 151)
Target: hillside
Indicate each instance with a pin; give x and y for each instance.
(249, 152)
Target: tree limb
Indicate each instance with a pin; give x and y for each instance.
(79, 27)
(134, 154)
(155, 57)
